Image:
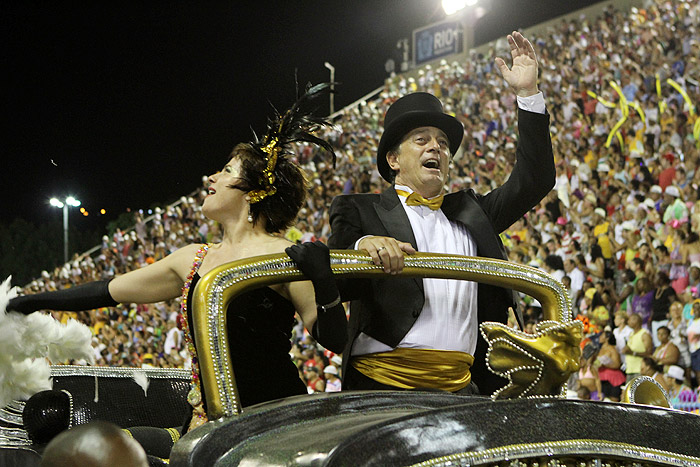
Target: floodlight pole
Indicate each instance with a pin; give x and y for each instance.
(65, 204)
(65, 233)
(331, 68)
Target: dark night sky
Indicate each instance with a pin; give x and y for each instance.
(124, 104)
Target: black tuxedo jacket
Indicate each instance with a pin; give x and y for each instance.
(386, 309)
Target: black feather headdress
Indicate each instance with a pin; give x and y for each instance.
(296, 125)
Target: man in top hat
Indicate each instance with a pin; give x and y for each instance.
(422, 333)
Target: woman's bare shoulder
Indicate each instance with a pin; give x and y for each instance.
(279, 244)
(187, 250)
(181, 259)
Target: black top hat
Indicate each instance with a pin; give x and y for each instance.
(413, 111)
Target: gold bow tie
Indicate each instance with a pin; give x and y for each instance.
(414, 199)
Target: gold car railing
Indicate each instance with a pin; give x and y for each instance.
(217, 288)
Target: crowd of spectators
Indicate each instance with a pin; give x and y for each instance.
(620, 229)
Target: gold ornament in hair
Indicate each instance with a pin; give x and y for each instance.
(271, 150)
(296, 125)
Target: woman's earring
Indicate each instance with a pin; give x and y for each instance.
(250, 214)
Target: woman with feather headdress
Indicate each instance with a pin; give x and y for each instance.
(255, 197)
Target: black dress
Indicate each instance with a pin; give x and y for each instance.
(259, 326)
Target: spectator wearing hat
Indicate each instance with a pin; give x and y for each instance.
(600, 232)
(401, 322)
(676, 210)
(655, 195)
(680, 395)
(333, 383)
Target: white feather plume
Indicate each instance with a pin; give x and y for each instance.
(27, 341)
(74, 342)
(22, 379)
(142, 380)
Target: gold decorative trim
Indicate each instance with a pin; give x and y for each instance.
(553, 449)
(535, 365)
(645, 390)
(217, 288)
(174, 434)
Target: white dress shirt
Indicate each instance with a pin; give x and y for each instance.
(448, 319)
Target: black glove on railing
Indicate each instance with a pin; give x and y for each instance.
(81, 297)
(330, 328)
(314, 260)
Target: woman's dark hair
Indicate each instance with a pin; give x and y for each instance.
(555, 262)
(597, 301)
(596, 252)
(651, 363)
(276, 186)
(610, 336)
(281, 209)
(662, 278)
(629, 275)
(639, 262)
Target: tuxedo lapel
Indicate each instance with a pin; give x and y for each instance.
(392, 215)
(394, 218)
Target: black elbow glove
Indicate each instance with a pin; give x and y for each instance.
(313, 259)
(82, 297)
(330, 329)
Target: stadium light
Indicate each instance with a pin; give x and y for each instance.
(331, 68)
(69, 201)
(453, 6)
